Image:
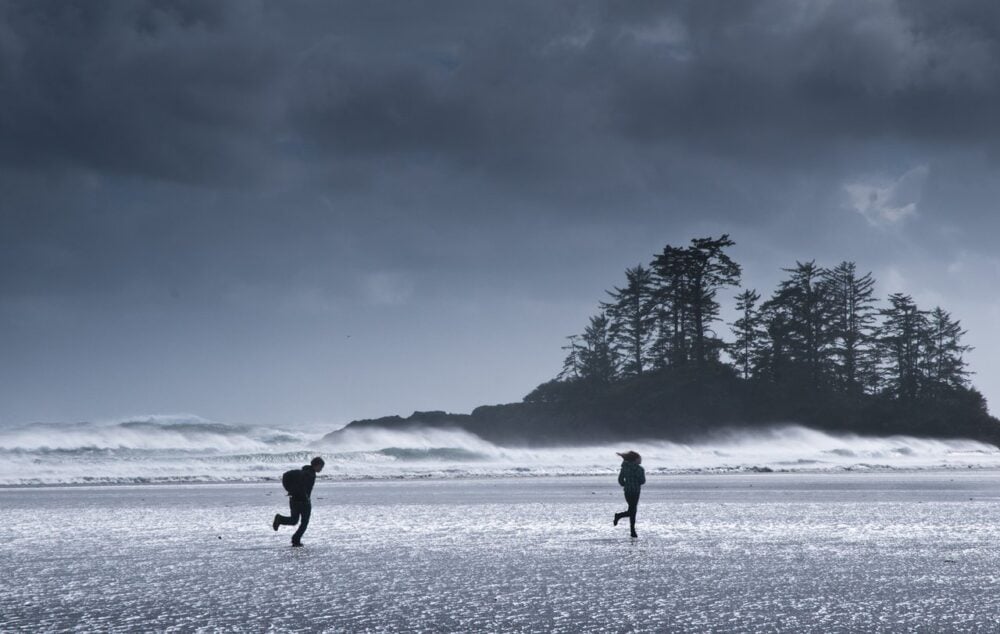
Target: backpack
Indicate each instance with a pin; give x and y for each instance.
(292, 481)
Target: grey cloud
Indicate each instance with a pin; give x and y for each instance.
(301, 167)
(197, 93)
(795, 80)
(163, 90)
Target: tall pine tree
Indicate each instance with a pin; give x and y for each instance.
(597, 358)
(851, 326)
(903, 338)
(798, 316)
(671, 341)
(749, 332)
(689, 281)
(944, 362)
(633, 312)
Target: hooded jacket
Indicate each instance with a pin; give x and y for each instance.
(304, 484)
(632, 477)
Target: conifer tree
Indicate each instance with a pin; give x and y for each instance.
(776, 357)
(633, 312)
(944, 365)
(799, 310)
(711, 270)
(749, 332)
(597, 358)
(851, 327)
(571, 365)
(903, 337)
(690, 278)
(670, 345)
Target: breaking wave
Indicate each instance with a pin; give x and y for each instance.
(190, 449)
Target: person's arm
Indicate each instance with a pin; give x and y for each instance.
(621, 476)
(310, 481)
(642, 476)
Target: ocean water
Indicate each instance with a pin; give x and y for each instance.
(182, 450)
(748, 552)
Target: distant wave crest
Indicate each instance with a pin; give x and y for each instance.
(155, 433)
(190, 449)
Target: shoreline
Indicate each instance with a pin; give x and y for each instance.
(873, 470)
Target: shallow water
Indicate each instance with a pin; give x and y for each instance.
(750, 552)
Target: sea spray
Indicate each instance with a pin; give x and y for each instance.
(153, 450)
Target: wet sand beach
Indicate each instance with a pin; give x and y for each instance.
(749, 552)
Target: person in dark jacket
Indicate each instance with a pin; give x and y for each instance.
(632, 476)
(300, 487)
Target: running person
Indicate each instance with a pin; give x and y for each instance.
(299, 484)
(632, 476)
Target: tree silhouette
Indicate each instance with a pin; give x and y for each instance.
(711, 270)
(798, 322)
(671, 342)
(571, 369)
(749, 333)
(690, 279)
(852, 318)
(819, 350)
(903, 337)
(944, 365)
(595, 358)
(633, 313)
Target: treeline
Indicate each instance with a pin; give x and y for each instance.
(822, 330)
(657, 362)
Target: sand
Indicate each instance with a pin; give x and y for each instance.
(750, 552)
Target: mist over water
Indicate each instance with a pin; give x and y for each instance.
(180, 449)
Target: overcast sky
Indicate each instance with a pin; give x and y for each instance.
(309, 212)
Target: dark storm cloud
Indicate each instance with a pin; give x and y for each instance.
(796, 80)
(165, 90)
(216, 92)
(194, 164)
(572, 108)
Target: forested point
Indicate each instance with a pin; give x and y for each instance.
(822, 350)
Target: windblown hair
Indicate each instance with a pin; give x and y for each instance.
(318, 462)
(630, 456)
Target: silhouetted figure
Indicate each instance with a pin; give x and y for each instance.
(632, 476)
(299, 484)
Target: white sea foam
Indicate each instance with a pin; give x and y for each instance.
(195, 450)
(153, 433)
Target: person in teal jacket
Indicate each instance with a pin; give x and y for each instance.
(631, 477)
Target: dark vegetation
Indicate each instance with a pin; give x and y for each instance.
(821, 351)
